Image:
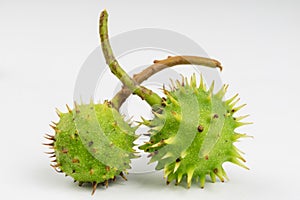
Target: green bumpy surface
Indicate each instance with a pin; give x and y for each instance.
(93, 143)
(192, 134)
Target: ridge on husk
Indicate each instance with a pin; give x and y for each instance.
(92, 143)
(193, 132)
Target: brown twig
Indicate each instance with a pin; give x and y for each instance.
(159, 65)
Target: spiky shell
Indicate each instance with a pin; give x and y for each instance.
(192, 134)
(92, 143)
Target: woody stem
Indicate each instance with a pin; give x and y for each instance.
(159, 65)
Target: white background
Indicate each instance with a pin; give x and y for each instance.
(44, 43)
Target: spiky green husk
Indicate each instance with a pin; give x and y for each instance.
(92, 143)
(192, 134)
